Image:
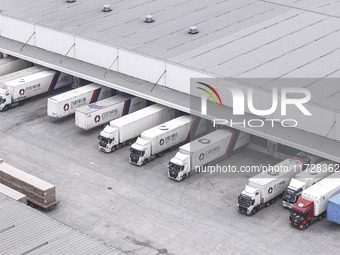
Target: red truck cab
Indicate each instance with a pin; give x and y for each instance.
(302, 214)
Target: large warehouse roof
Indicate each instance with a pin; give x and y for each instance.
(24, 230)
(237, 39)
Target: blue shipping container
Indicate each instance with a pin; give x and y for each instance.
(333, 209)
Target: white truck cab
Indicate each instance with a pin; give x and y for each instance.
(5, 99)
(179, 167)
(108, 139)
(140, 152)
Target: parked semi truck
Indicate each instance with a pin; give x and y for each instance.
(103, 111)
(155, 141)
(333, 209)
(124, 130)
(67, 103)
(11, 64)
(202, 151)
(19, 86)
(263, 189)
(304, 180)
(312, 204)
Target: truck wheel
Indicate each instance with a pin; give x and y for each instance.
(161, 154)
(188, 174)
(267, 204)
(21, 103)
(273, 201)
(254, 211)
(5, 108)
(145, 161)
(113, 148)
(184, 176)
(320, 217)
(307, 224)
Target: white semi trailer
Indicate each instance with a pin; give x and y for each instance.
(19, 86)
(124, 130)
(155, 141)
(304, 180)
(67, 103)
(12, 64)
(207, 149)
(103, 111)
(263, 188)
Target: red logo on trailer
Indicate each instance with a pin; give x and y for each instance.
(270, 190)
(66, 107)
(201, 157)
(161, 142)
(204, 141)
(22, 92)
(97, 119)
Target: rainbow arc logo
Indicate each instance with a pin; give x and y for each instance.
(204, 102)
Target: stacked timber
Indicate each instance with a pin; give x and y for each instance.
(38, 192)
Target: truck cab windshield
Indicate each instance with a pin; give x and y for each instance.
(175, 167)
(136, 152)
(298, 215)
(244, 200)
(103, 140)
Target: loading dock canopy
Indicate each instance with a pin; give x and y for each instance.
(293, 137)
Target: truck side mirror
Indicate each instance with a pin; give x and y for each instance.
(256, 193)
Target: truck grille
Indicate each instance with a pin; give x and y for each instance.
(295, 222)
(173, 174)
(242, 210)
(134, 159)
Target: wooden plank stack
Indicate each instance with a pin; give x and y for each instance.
(11, 193)
(37, 191)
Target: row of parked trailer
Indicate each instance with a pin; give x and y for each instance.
(153, 129)
(311, 192)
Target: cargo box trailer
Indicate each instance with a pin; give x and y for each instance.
(155, 141)
(19, 86)
(67, 103)
(39, 192)
(304, 180)
(263, 189)
(11, 64)
(333, 209)
(103, 111)
(13, 194)
(312, 204)
(207, 149)
(124, 130)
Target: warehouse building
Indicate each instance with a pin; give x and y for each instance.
(154, 57)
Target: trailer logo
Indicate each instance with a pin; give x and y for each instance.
(270, 190)
(22, 92)
(201, 157)
(204, 141)
(97, 119)
(161, 142)
(66, 107)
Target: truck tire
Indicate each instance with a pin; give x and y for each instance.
(113, 148)
(184, 177)
(267, 204)
(320, 217)
(6, 108)
(307, 224)
(254, 211)
(145, 161)
(273, 200)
